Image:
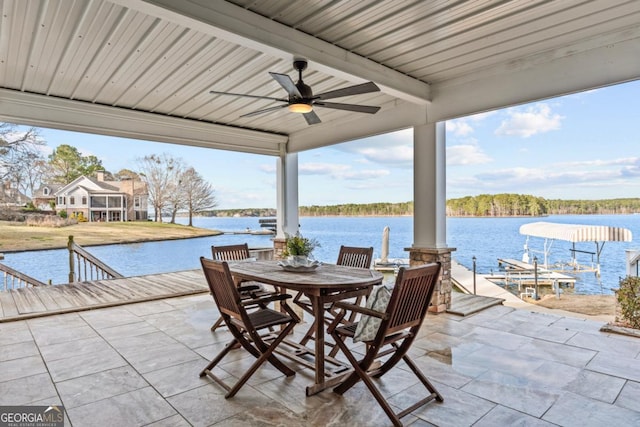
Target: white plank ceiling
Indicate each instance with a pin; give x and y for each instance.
(144, 68)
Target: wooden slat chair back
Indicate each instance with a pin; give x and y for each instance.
(348, 256)
(246, 326)
(231, 252)
(400, 323)
(351, 256)
(248, 290)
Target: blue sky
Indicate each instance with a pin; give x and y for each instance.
(581, 146)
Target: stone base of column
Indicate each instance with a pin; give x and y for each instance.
(279, 245)
(441, 299)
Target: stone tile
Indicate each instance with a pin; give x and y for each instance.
(496, 338)
(138, 407)
(151, 359)
(553, 333)
(464, 408)
(443, 371)
(147, 308)
(73, 348)
(84, 364)
(498, 359)
(580, 325)
(108, 317)
(503, 416)
(574, 410)
(196, 405)
(179, 378)
(173, 421)
(14, 333)
(127, 331)
(101, 385)
(18, 350)
(596, 386)
(552, 376)
(555, 352)
(606, 344)
(628, 398)
(513, 392)
(59, 334)
(133, 344)
(489, 316)
(67, 320)
(25, 390)
(440, 342)
(619, 366)
(20, 368)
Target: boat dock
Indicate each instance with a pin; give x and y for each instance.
(522, 274)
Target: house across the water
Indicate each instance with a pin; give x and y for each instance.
(96, 199)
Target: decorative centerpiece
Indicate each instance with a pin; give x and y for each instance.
(297, 252)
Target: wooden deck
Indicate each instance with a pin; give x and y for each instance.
(39, 301)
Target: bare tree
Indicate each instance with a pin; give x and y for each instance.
(21, 160)
(160, 173)
(198, 193)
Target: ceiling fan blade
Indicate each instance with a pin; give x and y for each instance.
(348, 91)
(312, 118)
(348, 107)
(214, 92)
(266, 110)
(288, 84)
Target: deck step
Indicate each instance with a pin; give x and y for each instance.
(467, 304)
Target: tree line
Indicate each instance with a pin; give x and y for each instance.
(172, 185)
(528, 205)
(493, 205)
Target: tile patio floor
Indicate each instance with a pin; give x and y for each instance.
(138, 365)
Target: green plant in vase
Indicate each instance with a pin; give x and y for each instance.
(298, 249)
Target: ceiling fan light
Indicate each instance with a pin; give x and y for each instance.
(300, 108)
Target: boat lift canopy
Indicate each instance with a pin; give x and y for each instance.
(574, 233)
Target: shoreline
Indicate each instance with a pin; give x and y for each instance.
(17, 237)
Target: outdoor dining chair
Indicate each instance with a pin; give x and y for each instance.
(349, 256)
(246, 326)
(248, 290)
(388, 325)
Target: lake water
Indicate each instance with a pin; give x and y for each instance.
(485, 238)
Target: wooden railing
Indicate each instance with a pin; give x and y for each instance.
(84, 267)
(13, 279)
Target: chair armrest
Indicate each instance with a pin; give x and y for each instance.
(248, 288)
(266, 299)
(360, 309)
(345, 306)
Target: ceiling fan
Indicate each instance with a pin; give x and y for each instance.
(302, 100)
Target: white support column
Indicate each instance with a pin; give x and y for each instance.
(429, 189)
(287, 217)
(429, 210)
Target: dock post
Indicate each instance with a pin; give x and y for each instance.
(535, 275)
(474, 274)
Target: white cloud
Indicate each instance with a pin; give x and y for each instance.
(331, 169)
(364, 174)
(398, 155)
(338, 171)
(459, 127)
(536, 119)
(466, 154)
(393, 149)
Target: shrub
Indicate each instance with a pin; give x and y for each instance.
(63, 214)
(628, 296)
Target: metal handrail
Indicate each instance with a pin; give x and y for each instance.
(84, 266)
(13, 279)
